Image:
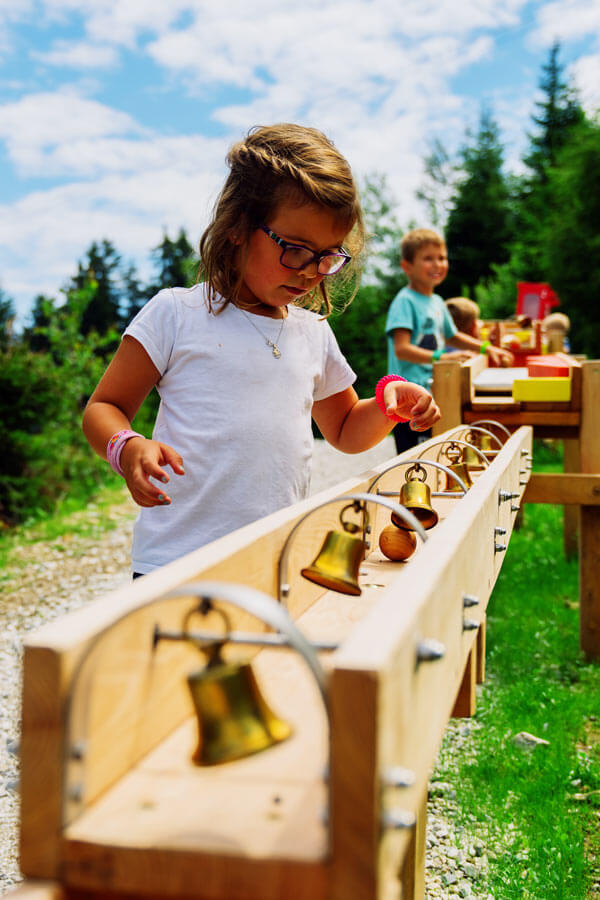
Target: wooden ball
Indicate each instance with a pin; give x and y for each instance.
(397, 543)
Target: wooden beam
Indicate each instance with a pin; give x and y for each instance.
(563, 488)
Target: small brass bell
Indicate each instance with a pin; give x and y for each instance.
(462, 470)
(484, 442)
(234, 719)
(337, 564)
(459, 467)
(471, 459)
(415, 496)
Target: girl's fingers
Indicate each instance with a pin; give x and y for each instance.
(172, 458)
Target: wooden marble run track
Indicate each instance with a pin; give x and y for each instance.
(114, 808)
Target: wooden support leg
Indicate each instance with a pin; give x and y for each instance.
(589, 557)
(412, 876)
(589, 589)
(571, 463)
(464, 705)
(480, 644)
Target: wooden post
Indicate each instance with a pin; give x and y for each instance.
(589, 559)
(447, 380)
(571, 463)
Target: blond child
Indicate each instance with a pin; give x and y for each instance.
(465, 315)
(419, 326)
(243, 360)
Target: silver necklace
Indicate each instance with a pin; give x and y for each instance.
(272, 344)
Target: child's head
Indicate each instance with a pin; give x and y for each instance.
(424, 259)
(465, 314)
(278, 167)
(557, 322)
(415, 240)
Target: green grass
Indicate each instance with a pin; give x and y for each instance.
(74, 515)
(540, 806)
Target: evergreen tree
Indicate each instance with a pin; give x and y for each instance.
(571, 256)
(383, 252)
(175, 263)
(478, 229)
(7, 314)
(100, 270)
(559, 112)
(439, 186)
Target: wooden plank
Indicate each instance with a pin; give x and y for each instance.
(409, 704)
(589, 583)
(447, 391)
(511, 414)
(37, 890)
(559, 488)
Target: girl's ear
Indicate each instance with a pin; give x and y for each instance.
(406, 266)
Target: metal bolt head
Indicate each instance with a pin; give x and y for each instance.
(399, 819)
(398, 777)
(428, 649)
(470, 600)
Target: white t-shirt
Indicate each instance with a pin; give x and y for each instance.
(239, 417)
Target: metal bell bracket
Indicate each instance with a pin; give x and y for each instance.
(467, 429)
(204, 640)
(457, 443)
(358, 501)
(418, 462)
(493, 422)
(272, 613)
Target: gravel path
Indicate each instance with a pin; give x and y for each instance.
(54, 577)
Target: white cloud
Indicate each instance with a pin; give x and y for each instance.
(46, 123)
(80, 55)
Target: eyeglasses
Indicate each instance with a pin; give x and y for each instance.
(295, 257)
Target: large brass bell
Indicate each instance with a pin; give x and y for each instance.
(416, 497)
(337, 564)
(459, 467)
(234, 719)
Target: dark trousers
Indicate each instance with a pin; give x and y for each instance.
(405, 437)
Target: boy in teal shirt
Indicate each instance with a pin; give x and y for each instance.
(419, 326)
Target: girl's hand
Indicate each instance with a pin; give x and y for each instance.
(412, 402)
(142, 459)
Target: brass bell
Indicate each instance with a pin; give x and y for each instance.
(459, 467)
(234, 719)
(462, 470)
(471, 459)
(483, 442)
(415, 496)
(337, 564)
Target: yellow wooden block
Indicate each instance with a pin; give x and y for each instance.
(549, 389)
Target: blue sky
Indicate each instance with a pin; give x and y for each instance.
(115, 117)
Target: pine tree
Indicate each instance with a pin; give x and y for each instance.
(479, 226)
(559, 112)
(100, 270)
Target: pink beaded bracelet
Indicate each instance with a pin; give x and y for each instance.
(379, 396)
(114, 448)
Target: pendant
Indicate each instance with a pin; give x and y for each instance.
(276, 350)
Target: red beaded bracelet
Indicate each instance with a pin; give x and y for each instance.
(379, 396)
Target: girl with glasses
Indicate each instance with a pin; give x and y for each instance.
(246, 357)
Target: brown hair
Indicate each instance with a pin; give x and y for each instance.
(275, 164)
(413, 240)
(463, 311)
